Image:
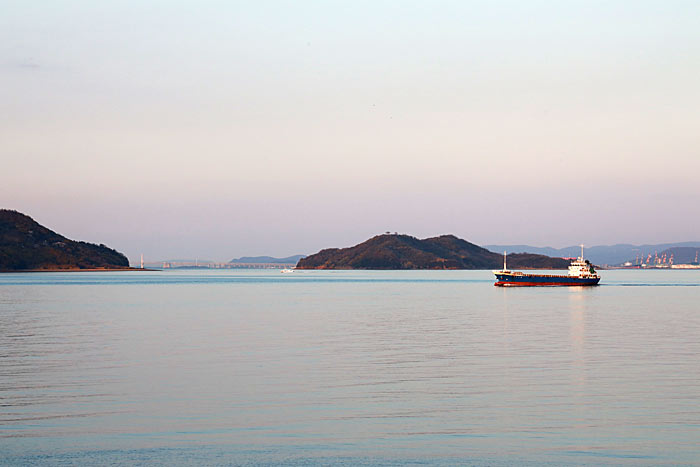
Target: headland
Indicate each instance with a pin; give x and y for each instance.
(26, 245)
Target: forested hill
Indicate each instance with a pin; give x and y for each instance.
(406, 252)
(27, 245)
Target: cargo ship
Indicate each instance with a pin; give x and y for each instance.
(581, 273)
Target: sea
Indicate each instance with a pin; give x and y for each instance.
(255, 367)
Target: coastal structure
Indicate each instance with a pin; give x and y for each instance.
(672, 258)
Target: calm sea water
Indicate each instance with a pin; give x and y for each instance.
(258, 367)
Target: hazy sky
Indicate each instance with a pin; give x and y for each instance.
(216, 129)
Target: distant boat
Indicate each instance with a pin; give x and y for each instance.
(581, 272)
(287, 271)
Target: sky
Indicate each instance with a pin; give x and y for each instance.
(218, 129)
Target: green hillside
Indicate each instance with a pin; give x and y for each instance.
(406, 252)
(27, 245)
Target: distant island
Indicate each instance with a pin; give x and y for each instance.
(406, 252)
(27, 245)
(266, 260)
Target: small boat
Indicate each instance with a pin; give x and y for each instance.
(287, 271)
(581, 273)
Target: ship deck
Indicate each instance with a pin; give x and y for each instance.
(532, 275)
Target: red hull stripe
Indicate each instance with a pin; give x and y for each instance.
(542, 284)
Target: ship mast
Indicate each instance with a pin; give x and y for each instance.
(582, 252)
(504, 261)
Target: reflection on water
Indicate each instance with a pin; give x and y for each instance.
(354, 367)
(577, 334)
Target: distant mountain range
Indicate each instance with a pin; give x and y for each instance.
(208, 263)
(27, 245)
(406, 252)
(267, 260)
(601, 254)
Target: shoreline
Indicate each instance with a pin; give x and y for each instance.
(12, 271)
(602, 268)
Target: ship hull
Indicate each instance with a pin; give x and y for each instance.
(534, 280)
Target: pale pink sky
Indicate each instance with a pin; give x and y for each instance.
(218, 129)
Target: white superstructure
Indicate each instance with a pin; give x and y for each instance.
(582, 268)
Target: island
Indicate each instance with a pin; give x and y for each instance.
(395, 251)
(25, 245)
